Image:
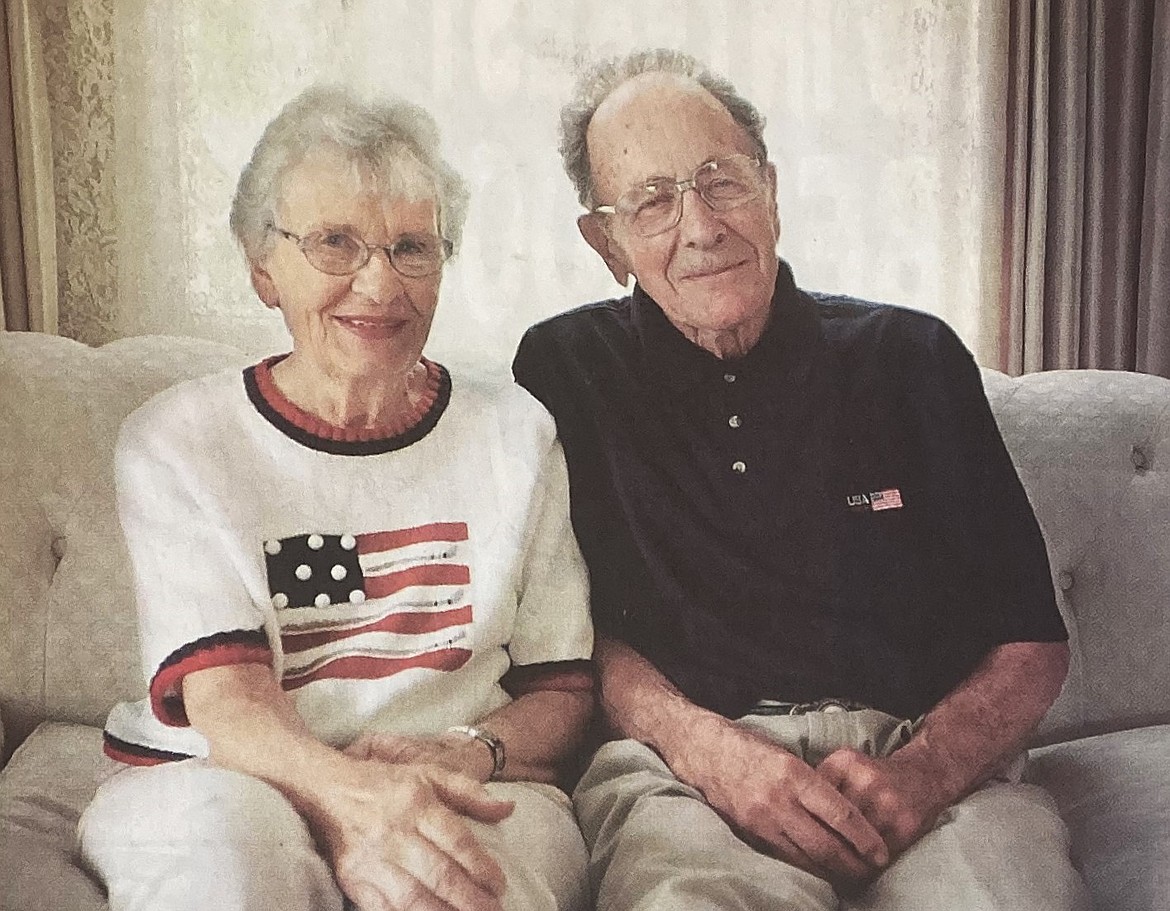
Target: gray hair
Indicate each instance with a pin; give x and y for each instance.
(396, 139)
(600, 81)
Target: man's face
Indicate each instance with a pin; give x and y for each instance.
(714, 272)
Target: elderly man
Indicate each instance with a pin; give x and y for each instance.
(827, 623)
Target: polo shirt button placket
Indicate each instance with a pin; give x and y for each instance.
(734, 421)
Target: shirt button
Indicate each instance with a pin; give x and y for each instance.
(729, 377)
(738, 467)
(734, 421)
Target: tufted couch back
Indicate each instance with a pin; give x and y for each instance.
(68, 647)
(1093, 449)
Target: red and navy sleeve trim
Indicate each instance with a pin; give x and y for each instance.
(221, 649)
(556, 676)
(135, 753)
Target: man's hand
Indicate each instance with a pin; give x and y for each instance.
(899, 795)
(783, 806)
(397, 838)
(775, 801)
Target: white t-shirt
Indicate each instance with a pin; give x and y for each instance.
(390, 588)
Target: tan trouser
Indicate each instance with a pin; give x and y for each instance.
(656, 844)
(190, 837)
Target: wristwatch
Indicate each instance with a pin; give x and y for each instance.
(486, 737)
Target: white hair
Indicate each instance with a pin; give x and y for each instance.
(600, 81)
(397, 140)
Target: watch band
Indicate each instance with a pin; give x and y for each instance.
(486, 737)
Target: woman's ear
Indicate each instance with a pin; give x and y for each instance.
(265, 286)
(593, 229)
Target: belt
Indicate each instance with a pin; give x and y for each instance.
(772, 707)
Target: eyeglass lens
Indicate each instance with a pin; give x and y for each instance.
(723, 184)
(339, 253)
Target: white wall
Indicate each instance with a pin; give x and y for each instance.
(885, 121)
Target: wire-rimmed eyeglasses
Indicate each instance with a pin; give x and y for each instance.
(655, 206)
(341, 253)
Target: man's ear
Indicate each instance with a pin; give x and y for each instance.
(265, 286)
(770, 176)
(592, 228)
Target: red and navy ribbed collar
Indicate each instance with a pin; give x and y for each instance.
(678, 364)
(309, 430)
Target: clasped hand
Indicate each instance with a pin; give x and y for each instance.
(898, 795)
(844, 821)
(398, 835)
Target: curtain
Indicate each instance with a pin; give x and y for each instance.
(1086, 265)
(28, 261)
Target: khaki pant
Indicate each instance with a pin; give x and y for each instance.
(656, 844)
(190, 837)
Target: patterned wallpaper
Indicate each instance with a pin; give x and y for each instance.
(885, 121)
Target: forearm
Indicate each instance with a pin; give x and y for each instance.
(395, 835)
(638, 702)
(252, 727)
(987, 719)
(540, 731)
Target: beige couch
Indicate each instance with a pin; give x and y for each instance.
(1093, 449)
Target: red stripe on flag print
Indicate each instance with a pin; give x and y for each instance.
(377, 541)
(366, 667)
(427, 574)
(411, 623)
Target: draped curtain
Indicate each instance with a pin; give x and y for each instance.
(28, 262)
(1086, 266)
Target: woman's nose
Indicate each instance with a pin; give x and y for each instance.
(378, 276)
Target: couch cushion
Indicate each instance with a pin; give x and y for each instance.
(50, 779)
(1113, 790)
(1093, 448)
(69, 644)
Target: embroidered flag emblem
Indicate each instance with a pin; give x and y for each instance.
(885, 499)
(371, 605)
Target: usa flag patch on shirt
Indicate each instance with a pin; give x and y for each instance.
(885, 499)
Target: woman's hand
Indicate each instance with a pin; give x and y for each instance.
(453, 751)
(397, 836)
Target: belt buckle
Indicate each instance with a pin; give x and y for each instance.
(822, 705)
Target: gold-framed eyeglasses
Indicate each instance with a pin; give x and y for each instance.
(342, 253)
(655, 205)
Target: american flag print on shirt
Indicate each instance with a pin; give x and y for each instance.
(371, 605)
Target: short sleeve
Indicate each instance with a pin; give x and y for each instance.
(552, 618)
(193, 608)
(980, 511)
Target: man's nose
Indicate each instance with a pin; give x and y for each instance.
(378, 279)
(698, 224)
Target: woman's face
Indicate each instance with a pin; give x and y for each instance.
(374, 322)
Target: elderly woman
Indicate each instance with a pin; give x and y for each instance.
(363, 612)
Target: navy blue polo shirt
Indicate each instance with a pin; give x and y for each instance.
(832, 515)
